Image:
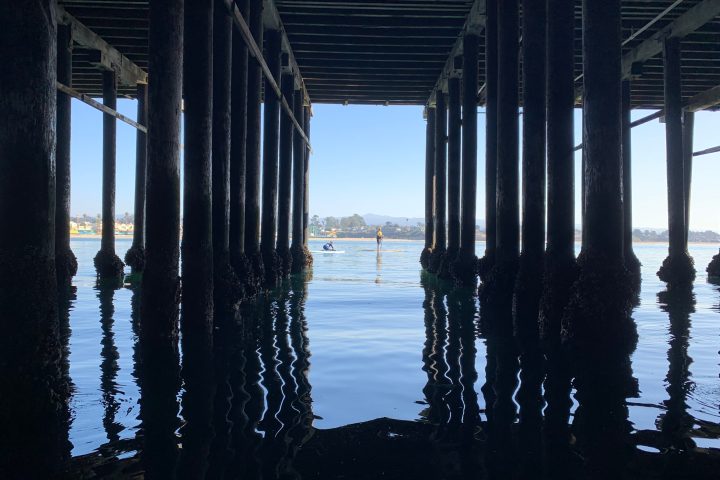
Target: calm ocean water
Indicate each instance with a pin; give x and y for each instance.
(364, 340)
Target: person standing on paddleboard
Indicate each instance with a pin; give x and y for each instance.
(379, 237)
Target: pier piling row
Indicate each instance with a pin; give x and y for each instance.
(218, 62)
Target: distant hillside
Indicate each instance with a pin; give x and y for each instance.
(707, 236)
(376, 219)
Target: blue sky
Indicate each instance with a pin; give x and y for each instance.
(370, 159)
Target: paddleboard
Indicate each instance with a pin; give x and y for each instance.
(327, 251)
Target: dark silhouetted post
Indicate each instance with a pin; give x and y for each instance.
(429, 187)
(197, 246)
(491, 65)
(631, 261)
(453, 172)
(161, 291)
(560, 269)
(226, 285)
(688, 132)
(528, 287)
(135, 256)
(465, 266)
(252, 148)
(298, 202)
(285, 177)
(65, 261)
(271, 119)
(437, 259)
(107, 263)
(306, 196)
(677, 269)
(238, 140)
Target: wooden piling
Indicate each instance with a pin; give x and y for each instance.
(298, 194)
(560, 269)
(285, 177)
(454, 147)
(677, 269)
(688, 130)
(135, 256)
(437, 259)
(465, 266)
(271, 119)
(107, 263)
(528, 286)
(161, 291)
(252, 148)
(429, 183)
(597, 317)
(238, 142)
(226, 284)
(65, 261)
(631, 261)
(491, 65)
(306, 187)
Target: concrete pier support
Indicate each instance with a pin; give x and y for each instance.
(486, 263)
(65, 261)
(159, 301)
(437, 258)
(285, 178)
(631, 261)
(429, 187)
(252, 149)
(227, 288)
(598, 314)
(135, 256)
(678, 268)
(107, 263)
(306, 195)
(560, 268)
(528, 285)
(238, 142)
(465, 269)
(454, 146)
(30, 348)
(298, 186)
(197, 244)
(271, 119)
(498, 288)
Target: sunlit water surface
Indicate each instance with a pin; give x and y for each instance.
(365, 337)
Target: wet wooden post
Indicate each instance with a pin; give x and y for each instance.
(306, 196)
(499, 284)
(429, 184)
(688, 129)
(465, 266)
(528, 288)
(65, 261)
(135, 256)
(298, 187)
(631, 261)
(252, 149)
(560, 269)
(107, 263)
(271, 119)
(437, 259)
(238, 141)
(197, 243)
(226, 286)
(159, 300)
(491, 64)
(597, 317)
(30, 347)
(453, 172)
(677, 269)
(285, 176)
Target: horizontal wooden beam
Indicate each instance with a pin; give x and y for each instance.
(109, 58)
(474, 24)
(99, 106)
(256, 52)
(707, 99)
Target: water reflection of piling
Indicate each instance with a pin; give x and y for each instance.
(109, 365)
(676, 424)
